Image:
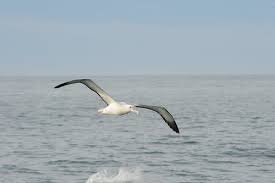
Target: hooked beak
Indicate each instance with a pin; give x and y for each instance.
(135, 111)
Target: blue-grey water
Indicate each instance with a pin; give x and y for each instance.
(227, 126)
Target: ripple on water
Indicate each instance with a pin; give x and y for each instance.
(174, 143)
(28, 171)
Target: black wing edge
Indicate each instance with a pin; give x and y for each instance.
(71, 82)
(169, 120)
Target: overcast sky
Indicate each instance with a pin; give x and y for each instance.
(63, 37)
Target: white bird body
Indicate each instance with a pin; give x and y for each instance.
(116, 108)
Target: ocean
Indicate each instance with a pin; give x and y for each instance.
(226, 123)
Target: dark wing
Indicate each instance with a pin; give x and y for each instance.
(90, 84)
(168, 118)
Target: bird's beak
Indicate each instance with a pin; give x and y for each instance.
(135, 111)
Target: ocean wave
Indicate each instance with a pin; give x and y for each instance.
(123, 175)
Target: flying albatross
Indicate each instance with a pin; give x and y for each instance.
(121, 108)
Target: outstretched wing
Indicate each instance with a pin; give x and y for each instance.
(168, 118)
(90, 84)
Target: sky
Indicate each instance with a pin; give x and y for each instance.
(136, 37)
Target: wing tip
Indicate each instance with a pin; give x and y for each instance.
(176, 129)
(72, 82)
(58, 86)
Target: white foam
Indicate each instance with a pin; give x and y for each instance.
(123, 175)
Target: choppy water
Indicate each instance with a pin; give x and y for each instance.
(227, 126)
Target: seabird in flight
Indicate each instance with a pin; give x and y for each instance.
(121, 108)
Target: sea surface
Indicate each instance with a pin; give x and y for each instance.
(227, 130)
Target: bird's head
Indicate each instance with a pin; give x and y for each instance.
(132, 109)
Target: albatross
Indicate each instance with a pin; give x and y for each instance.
(121, 108)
